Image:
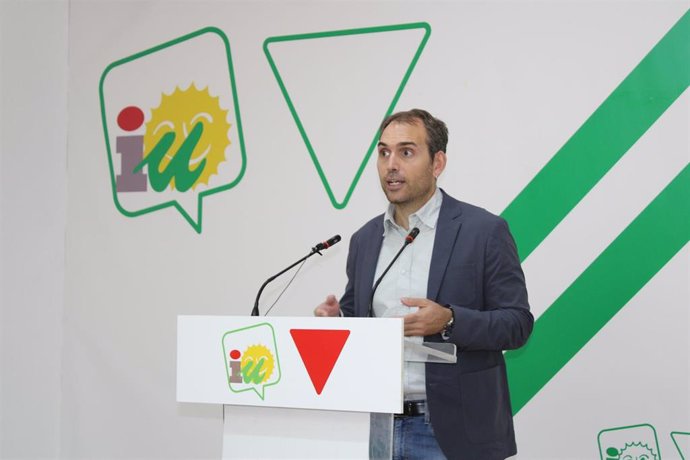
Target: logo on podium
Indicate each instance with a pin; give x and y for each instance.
(251, 359)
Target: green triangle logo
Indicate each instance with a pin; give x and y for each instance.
(318, 80)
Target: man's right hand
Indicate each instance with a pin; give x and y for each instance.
(330, 307)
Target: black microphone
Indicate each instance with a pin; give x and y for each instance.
(326, 244)
(408, 240)
(315, 250)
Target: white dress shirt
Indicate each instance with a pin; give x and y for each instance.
(408, 277)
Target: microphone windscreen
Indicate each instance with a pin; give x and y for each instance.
(412, 235)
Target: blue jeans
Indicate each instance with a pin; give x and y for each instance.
(413, 438)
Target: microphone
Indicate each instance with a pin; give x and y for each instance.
(411, 236)
(408, 240)
(326, 244)
(315, 250)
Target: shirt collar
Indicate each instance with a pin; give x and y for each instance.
(426, 216)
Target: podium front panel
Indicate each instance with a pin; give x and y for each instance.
(341, 364)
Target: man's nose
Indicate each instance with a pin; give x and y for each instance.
(392, 162)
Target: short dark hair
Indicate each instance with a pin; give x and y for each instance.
(436, 130)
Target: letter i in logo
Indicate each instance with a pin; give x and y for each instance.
(235, 367)
(131, 148)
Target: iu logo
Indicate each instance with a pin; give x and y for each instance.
(172, 126)
(251, 359)
(182, 146)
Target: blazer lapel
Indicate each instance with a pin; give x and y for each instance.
(447, 229)
(367, 268)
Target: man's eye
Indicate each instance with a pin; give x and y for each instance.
(384, 153)
(408, 153)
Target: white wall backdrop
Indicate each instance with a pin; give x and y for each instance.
(514, 81)
(33, 159)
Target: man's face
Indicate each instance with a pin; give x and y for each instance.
(407, 173)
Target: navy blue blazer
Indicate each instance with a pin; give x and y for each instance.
(476, 271)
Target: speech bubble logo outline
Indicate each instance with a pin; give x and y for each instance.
(180, 202)
(253, 339)
(612, 440)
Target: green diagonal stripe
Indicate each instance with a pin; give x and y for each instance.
(641, 250)
(631, 109)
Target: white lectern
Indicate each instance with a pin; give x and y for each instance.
(297, 387)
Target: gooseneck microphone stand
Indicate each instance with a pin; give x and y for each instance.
(315, 250)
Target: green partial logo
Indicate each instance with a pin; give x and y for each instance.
(635, 442)
(682, 442)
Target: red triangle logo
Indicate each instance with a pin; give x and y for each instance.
(319, 349)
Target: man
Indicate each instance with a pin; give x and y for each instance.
(460, 281)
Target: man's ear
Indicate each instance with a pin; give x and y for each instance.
(439, 163)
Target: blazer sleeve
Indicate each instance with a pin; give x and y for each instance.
(504, 321)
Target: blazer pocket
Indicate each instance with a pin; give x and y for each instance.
(459, 285)
(486, 408)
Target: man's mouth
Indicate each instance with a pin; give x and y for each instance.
(394, 184)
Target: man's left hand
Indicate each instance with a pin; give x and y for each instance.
(430, 319)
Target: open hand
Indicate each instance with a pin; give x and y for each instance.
(330, 307)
